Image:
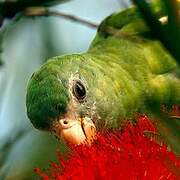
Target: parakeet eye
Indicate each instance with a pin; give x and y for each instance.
(79, 90)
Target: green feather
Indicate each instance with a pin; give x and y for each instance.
(125, 70)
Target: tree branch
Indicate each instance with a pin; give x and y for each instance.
(42, 11)
(9, 9)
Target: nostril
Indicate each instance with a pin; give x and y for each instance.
(65, 122)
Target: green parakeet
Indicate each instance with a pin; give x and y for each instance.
(125, 70)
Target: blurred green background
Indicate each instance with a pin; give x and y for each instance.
(27, 44)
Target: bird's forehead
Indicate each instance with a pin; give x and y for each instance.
(65, 66)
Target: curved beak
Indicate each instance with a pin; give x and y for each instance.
(80, 131)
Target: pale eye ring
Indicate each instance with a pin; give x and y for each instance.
(79, 90)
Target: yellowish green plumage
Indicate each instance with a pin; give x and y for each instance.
(125, 70)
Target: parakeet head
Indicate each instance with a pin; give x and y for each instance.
(75, 94)
(58, 100)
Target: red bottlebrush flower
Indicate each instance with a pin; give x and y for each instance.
(118, 155)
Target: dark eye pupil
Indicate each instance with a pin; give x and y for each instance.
(79, 90)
